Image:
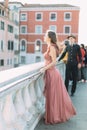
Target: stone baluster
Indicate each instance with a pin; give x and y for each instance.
(19, 104)
(33, 97)
(33, 109)
(2, 122)
(20, 109)
(41, 84)
(27, 102)
(38, 94)
(9, 113)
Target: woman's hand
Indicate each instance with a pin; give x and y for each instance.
(42, 70)
(79, 65)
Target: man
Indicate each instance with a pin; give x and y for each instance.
(72, 65)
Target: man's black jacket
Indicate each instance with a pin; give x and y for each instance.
(74, 54)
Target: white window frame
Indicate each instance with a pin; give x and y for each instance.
(9, 61)
(70, 16)
(55, 15)
(54, 27)
(25, 17)
(36, 59)
(36, 31)
(2, 23)
(40, 45)
(21, 45)
(24, 59)
(21, 29)
(37, 14)
(65, 27)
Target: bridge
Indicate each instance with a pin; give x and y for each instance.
(22, 104)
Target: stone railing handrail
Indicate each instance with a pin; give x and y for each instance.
(11, 75)
(13, 84)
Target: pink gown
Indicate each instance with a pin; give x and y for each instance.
(59, 107)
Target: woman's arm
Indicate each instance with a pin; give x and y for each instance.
(62, 54)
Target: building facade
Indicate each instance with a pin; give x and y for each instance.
(6, 39)
(36, 19)
(9, 35)
(14, 16)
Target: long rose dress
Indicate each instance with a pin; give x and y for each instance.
(59, 107)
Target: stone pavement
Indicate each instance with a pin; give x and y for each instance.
(78, 122)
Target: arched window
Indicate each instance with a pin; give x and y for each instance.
(38, 46)
(23, 45)
(38, 59)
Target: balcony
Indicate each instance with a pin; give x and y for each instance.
(21, 96)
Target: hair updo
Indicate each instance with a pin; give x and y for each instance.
(52, 36)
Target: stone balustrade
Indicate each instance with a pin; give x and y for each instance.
(21, 96)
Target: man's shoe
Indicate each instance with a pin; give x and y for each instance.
(85, 81)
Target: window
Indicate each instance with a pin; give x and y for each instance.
(23, 59)
(38, 46)
(23, 29)
(1, 62)
(9, 61)
(67, 16)
(2, 25)
(67, 29)
(23, 17)
(23, 45)
(53, 17)
(38, 29)
(53, 28)
(1, 45)
(38, 16)
(38, 58)
(10, 45)
(0, 11)
(15, 61)
(10, 28)
(3, 13)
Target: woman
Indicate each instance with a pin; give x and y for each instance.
(59, 107)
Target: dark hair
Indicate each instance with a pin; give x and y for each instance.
(73, 36)
(52, 36)
(82, 46)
